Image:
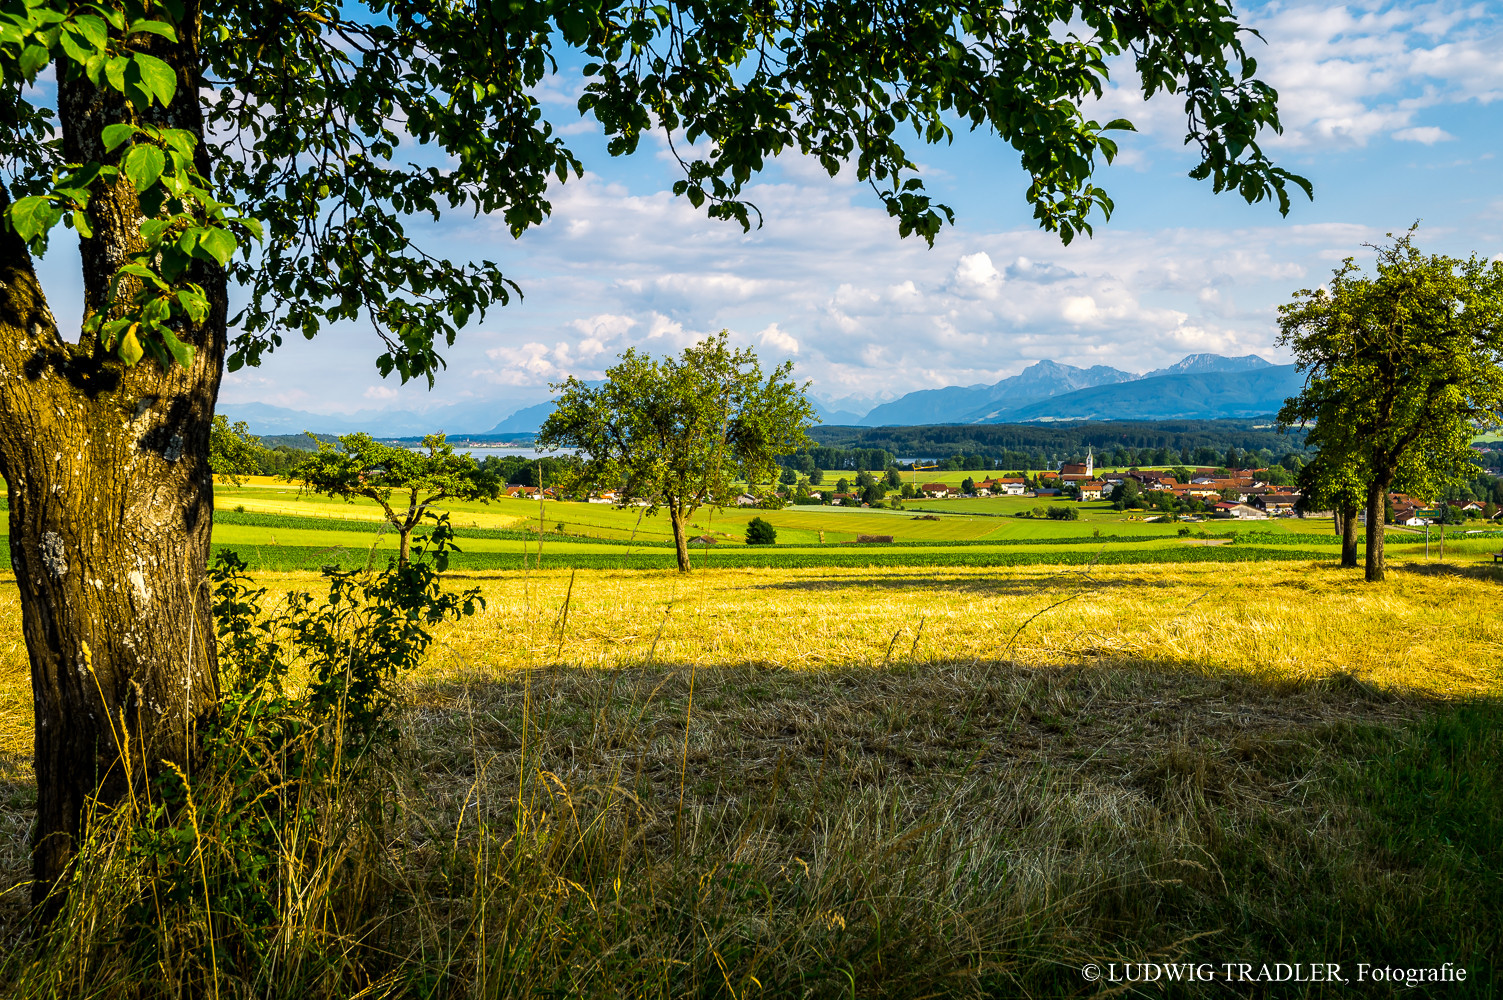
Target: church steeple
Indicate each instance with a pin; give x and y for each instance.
(1090, 463)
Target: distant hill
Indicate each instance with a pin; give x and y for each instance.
(1211, 386)
(1193, 396)
(455, 419)
(525, 421)
(1003, 400)
(965, 404)
(1196, 363)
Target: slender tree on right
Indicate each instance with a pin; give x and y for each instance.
(1401, 368)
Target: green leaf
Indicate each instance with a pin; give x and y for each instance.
(114, 135)
(153, 27)
(92, 28)
(220, 243)
(114, 72)
(30, 217)
(181, 352)
(157, 77)
(33, 59)
(81, 223)
(143, 165)
(194, 304)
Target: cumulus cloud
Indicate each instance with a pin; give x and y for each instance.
(773, 337)
(1348, 73)
(1427, 135)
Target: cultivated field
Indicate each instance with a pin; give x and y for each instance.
(920, 781)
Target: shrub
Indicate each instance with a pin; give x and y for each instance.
(760, 532)
(1058, 513)
(289, 792)
(873, 538)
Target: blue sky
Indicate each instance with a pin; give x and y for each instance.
(1394, 111)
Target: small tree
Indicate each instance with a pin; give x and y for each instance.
(760, 532)
(363, 467)
(233, 450)
(894, 477)
(816, 477)
(968, 485)
(842, 485)
(677, 434)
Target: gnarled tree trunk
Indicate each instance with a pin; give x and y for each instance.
(111, 502)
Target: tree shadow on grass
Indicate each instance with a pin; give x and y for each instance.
(1489, 571)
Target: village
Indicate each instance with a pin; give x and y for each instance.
(1238, 494)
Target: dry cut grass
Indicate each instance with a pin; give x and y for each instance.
(907, 783)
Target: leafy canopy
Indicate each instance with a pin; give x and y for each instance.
(680, 432)
(362, 467)
(314, 112)
(233, 450)
(1402, 368)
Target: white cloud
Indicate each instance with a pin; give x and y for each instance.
(1079, 309)
(774, 337)
(976, 275)
(1429, 135)
(381, 393)
(1347, 73)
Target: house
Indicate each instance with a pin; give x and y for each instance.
(1091, 489)
(935, 490)
(605, 496)
(1239, 510)
(1277, 503)
(1009, 486)
(1466, 505)
(1409, 516)
(747, 500)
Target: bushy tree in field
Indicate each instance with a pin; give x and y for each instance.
(363, 467)
(1127, 495)
(760, 532)
(1402, 369)
(233, 451)
(679, 433)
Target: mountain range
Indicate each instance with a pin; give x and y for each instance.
(1198, 387)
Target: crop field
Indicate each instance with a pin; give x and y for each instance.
(1001, 773)
(966, 763)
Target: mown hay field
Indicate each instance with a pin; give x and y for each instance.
(921, 781)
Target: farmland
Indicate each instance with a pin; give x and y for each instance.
(276, 527)
(965, 763)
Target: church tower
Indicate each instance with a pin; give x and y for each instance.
(1090, 464)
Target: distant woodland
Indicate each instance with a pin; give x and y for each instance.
(1036, 446)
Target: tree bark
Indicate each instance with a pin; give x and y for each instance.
(111, 507)
(1347, 516)
(1377, 493)
(680, 540)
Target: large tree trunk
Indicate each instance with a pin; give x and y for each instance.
(680, 539)
(111, 501)
(1377, 494)
(1347, 518)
